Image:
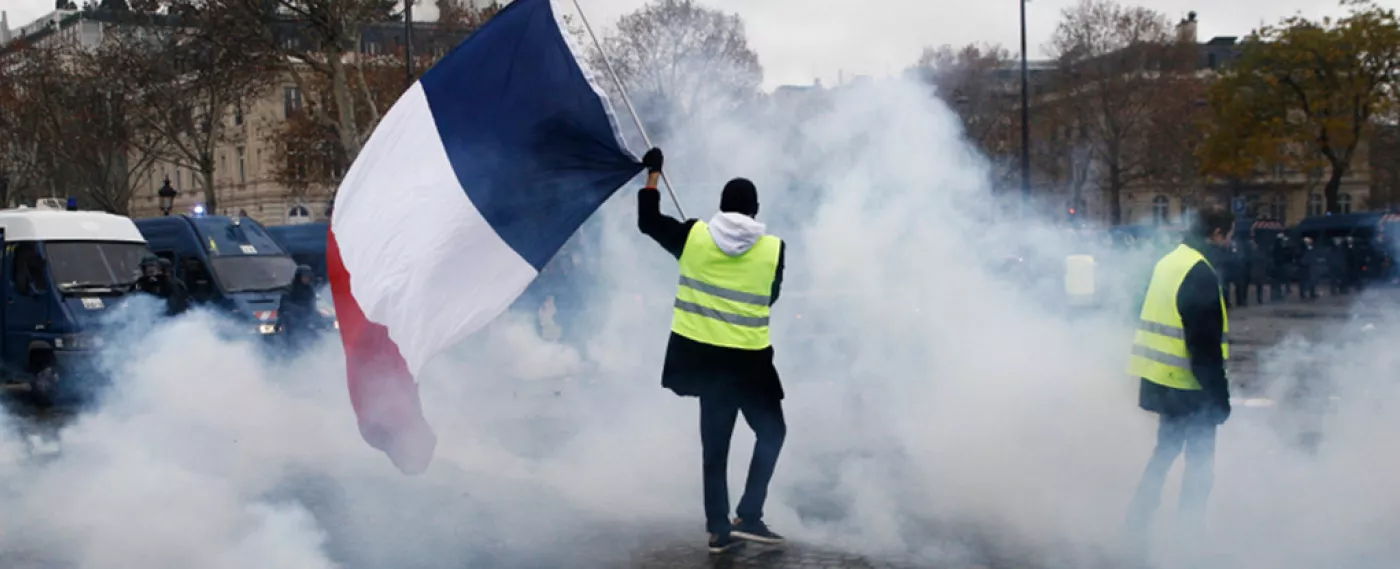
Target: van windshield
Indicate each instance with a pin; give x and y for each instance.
(78, 265)
(253, 273)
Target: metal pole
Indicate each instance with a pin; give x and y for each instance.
(628, 100)
(408, 39)
(1025, 120)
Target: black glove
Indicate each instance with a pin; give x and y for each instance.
(1221, 410)
(653, 160)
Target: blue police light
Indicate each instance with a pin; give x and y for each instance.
(198, 209)
(72, 203)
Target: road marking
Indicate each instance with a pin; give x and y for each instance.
(1251, 402)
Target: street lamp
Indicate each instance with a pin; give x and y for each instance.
(408, 39)
(166, 194)
(1025, 120)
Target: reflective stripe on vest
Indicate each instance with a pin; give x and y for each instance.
(1159, 347)
(723, 300)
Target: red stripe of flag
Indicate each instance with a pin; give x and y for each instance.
(382, 390)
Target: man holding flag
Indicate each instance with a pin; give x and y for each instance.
(719, 351)
(472, 182)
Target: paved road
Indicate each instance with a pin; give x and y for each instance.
(1254, 329)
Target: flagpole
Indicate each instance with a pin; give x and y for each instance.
(627, 100)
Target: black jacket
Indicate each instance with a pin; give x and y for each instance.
(1198, 300)
(297, 309)
(177, 298)
(691, 367)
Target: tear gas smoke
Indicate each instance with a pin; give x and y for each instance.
(936, 408)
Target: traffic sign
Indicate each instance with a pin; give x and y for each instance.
(1239, 205)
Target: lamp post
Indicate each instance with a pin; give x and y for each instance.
(408, 39)
(1025, 120)
(166, 195)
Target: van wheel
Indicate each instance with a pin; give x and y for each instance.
(45, 386)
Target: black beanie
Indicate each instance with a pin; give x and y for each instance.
(740, 196)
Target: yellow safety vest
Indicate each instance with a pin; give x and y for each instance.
(1159, 347)
(723, 300)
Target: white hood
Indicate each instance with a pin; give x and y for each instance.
(735, 233)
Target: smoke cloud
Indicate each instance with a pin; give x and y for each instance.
(939, 410)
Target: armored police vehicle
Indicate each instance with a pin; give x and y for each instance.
(229, 264)
(62, 271)
(306, 243)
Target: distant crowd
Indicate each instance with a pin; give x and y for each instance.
(1272, 265)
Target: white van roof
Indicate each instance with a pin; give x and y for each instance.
(25, 224)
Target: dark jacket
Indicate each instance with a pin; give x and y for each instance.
(177, 298)
(1313, 264)
(1198, 300)
(297, 309)
(692, 367)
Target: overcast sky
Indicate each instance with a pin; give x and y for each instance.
(800, 40)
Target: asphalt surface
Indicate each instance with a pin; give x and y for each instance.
(1254, 329)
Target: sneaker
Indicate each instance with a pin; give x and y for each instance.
(722, 543)
(755, 531)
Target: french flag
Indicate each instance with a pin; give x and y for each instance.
(472, 181)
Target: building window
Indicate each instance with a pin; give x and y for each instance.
(1344, 203)
(291, 100)
(1161, 210)
(298, 214)
(238, 113)
(1314, 204)
(242, 172)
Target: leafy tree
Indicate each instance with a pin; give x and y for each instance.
(1304, 93)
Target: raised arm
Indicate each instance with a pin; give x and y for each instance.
(667, 231)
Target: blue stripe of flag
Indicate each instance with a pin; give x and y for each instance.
(529, 139)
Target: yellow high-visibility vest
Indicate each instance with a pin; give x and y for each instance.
(1159, 346)
(723, 300)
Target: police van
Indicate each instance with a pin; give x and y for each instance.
(62, 270)
(229, 264)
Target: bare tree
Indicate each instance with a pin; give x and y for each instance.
(1064, 154)
(321, 46)
(977, 83)
(190, 78)
(1110, 59)
(311, 141)
(678, 58)
(79, 121)
(23, 164)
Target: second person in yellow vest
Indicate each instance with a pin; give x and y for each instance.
(1178, 356)
(730, 274)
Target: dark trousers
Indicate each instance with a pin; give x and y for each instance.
(1242, 293)
(1196, 435)
(719, 410)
